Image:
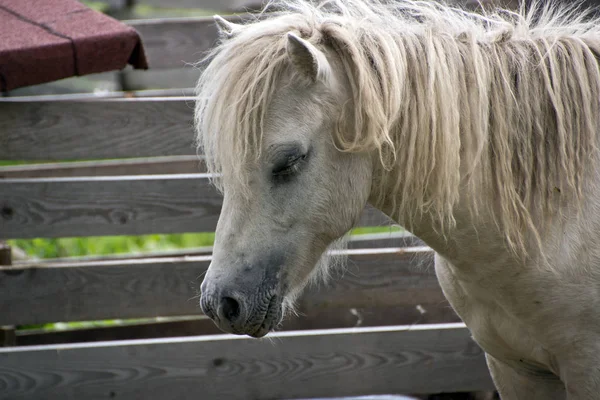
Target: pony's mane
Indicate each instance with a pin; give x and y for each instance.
(508, 100)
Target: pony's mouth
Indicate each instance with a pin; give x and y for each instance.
(271, 318)
(243, 311)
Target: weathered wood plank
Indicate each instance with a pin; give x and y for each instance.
(380, 278)
(28, 97)
(186, 92)
(361, 361)
(134, 205)
(182, 79)
(176, 42)
(95, 129)
(308, 319)
(149, 166)
(39, 292)
(124, 205)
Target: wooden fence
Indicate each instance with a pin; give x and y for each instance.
(173, 45)
(382, 327)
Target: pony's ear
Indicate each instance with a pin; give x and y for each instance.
(307, 59)
(226, 29)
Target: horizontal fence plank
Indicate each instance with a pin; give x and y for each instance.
(96, 129)
(39, 292)
(423, 359)
(308, 319)
(131, 205)
(177, 92)
(151, 166)
(176, 42)
(134, 205)
(182, 79)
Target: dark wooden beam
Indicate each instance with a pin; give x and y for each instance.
(7, 333)
(306, 320)
(40, 292)
(5, 254)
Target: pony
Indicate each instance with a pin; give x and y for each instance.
(477, 132)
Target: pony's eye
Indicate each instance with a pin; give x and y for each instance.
(288, 167)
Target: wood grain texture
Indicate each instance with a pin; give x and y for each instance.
(424, 359)
(134, 205)
(148, 166)
(380, 279)
(122, 205)
(39, 292)
(107, 128)
(176, 42)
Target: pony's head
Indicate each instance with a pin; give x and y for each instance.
(424, 110)
(268, 113)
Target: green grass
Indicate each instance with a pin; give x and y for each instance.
(96, 5)
(375, 229)
(13, 163)
(146, 11)
(105, 245)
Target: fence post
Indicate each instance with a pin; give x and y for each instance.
(7, 333)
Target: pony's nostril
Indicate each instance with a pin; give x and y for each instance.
(230, 308)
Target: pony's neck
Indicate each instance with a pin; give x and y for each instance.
(472, 240)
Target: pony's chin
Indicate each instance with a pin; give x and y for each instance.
(272, 319)
(262, 332)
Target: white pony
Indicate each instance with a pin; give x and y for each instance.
(476, 132)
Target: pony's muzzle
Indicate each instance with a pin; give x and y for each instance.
(253, 312)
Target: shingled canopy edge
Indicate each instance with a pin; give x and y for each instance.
(48, 40)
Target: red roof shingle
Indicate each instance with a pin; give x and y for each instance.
(47, 40)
